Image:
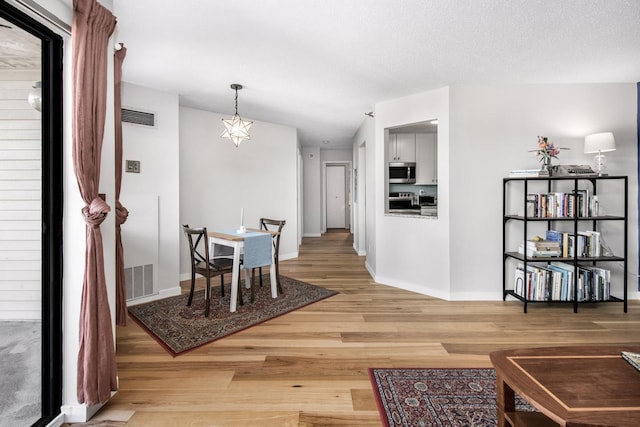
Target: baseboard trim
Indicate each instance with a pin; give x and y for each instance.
(431, 292)
(57, 421)
(165, 293)
(312, 235)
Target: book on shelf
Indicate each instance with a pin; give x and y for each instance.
(596, 282)
(560, 281)
(532, 284)
(562, 205)
(632, 358)
(587, 243)
(567, 283)
(555, 236)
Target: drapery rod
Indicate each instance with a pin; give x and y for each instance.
(45, 14)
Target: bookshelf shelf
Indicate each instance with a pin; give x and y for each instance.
(569, 210)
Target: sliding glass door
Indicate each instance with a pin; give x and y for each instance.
(30, 220)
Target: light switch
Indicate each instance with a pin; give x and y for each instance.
(133, 166)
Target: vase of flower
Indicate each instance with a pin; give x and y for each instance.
(546, 150)
(546, 165)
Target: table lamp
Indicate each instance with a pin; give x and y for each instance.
(599, 143)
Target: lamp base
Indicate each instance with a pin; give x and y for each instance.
(600, 163)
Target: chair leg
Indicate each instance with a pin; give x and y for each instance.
(253, 278)
(207, 297)
(193, 285)
(240, 299)
(260, 272)
(222, 285)
(278, 277)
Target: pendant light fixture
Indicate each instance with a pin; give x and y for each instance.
(35, 96)
(236, 129)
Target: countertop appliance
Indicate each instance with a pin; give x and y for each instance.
(428, 205)
(402, 173)
(403, 203)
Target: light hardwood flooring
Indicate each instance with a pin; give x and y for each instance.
(310, 367)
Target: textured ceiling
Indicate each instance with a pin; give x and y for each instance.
(319, 65)
(19, 50)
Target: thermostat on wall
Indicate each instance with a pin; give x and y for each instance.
(133, 166)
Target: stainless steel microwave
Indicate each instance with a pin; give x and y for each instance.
(402, 173)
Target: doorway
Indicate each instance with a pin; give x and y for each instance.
(31, 200)
(337, 191)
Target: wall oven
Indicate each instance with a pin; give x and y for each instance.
(402, 173)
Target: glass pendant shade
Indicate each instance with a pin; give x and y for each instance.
(236, 129)
(35, 96)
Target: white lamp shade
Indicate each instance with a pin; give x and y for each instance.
(599, 142)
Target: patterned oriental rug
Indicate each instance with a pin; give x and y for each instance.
(437, 397)
(179, 328)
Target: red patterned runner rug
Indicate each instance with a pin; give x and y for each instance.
(437, 397)
(179, 328)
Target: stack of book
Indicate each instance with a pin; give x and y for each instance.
(526, 173)
(540, 248)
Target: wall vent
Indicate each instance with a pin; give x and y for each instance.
(138, 117)
(139, 280)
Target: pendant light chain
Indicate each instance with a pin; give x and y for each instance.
(236, 100)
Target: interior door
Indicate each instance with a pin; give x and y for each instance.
(336, 196)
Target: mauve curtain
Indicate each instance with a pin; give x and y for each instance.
(92, 26)
(121, 211)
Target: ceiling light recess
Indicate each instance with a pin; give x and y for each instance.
(236, 129)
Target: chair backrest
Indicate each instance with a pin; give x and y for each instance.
(198, 243)
(268, 224)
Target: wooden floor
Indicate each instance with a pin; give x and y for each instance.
(310, 367)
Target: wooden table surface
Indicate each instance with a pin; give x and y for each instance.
(239, 237)
(573, 386)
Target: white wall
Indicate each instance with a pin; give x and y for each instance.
(492, 130)
(157, 149)
(412, 252)
(362, 141)
(311, 191)
(217, 179)
(483, 133)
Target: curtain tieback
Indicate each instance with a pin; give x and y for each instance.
(121, 213)
(96, 212)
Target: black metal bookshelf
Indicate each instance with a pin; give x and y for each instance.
(580, 182)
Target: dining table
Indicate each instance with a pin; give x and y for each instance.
(251, 243)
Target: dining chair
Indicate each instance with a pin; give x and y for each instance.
(205, 265)
(268, 224)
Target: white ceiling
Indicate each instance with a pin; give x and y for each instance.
(319, 65)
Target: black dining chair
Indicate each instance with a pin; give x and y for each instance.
(275, 225)
(205, 265)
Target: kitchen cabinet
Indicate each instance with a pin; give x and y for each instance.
(426, 159)
(402, 147)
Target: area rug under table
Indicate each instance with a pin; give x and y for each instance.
(437, 397)
(179, 328)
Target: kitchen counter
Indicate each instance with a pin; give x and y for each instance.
(412, 213)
